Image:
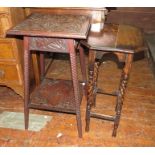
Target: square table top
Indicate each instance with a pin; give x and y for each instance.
(53, 25)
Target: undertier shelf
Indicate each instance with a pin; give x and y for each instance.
(55, 95)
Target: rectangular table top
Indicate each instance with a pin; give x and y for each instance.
(53, 25)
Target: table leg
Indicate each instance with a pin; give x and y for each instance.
(90, 96)
(72, 54)
(26, 80)
(121, 92)
(83, 69)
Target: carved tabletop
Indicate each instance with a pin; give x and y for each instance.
(49, 25)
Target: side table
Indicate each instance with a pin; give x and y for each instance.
(123, 41)
(53, 33)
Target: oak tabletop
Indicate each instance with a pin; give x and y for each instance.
(53, 25)
(115, 37)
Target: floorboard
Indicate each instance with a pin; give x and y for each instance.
(137, 124)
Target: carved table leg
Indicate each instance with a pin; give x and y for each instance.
(83, 69)
(75, 84)
(26, 80)
(121, 91)
(95, 77)
(90, 95)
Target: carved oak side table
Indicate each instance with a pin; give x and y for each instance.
(53, 33)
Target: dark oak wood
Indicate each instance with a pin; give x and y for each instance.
(95, 14)
(26, 80)
(49, 25)
(115, 37)
(48, 44)
(62, 100)
(53, 33)
(123, 41)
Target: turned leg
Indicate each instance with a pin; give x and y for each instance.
(75, 85)
(121, 91)
(89, 99)
(26, 80)
(90, 95)
(95, 77)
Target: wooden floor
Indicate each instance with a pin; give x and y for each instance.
(137, 124)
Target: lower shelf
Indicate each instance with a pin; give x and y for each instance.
(54, 95)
